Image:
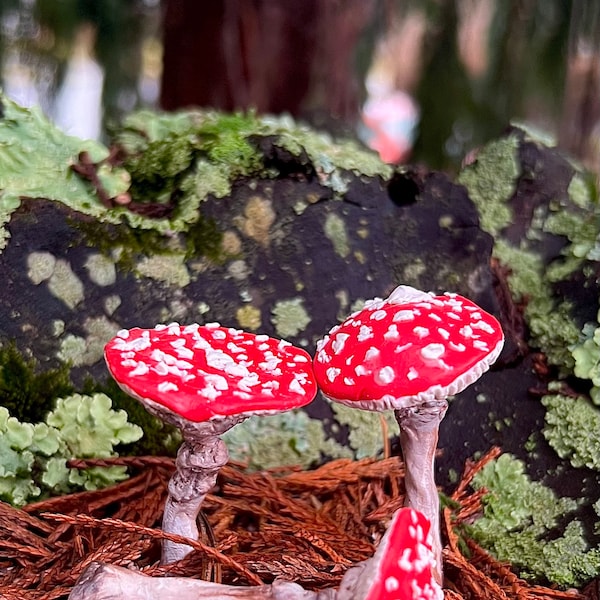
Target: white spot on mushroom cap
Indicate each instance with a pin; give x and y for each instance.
(378, 315)
(140, 370)
(433, 351)
(391, 584)
(385, 376)
(466, 331)
(412, 374)
(402, 348)
(421, 331)
(296, 387)
(404, 315)
(392, 333)
(339, 342)
(405, 294)
(332, 373)
(167, 386)
(372, 353)
(444, 333)
(483, 326)
(457, 346)
(365, 333)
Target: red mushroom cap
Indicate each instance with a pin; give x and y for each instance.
(403, 562)
(406, 350)
(207, 372)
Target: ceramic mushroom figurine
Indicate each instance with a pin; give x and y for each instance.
(402, 568)
(408, 353)
(204, 380)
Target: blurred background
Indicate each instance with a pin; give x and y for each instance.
(421, 81)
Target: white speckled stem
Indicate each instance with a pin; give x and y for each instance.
(419, 428)
(198, 463)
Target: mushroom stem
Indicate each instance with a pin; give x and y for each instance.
(419, 428)
(198, 462)
(107, 582)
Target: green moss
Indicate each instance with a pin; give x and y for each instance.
(551, 326)
(491, 181)
(290, 438)
(159, 438)
(27, 393)
(519, 517)
(365, 430)
(572, 427)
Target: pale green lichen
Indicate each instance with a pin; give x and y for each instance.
(290, 438)
(572, 428)
(518, 526)
(257, 220)
(40, 266)
(290, 317)
(191, 155)
(582, 190)
(366, 433)
(57, 327)
(85, 351)
(111, 303)
(551, 326)
(335, 230)
(168, 268)
(72, 348)
(101, 269)
(33, 457)
(65, 285)
(249, 317)
(491, 181)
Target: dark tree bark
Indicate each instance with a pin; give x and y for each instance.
(271, 55)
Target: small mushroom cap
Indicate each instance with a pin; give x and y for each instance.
(210, 372)
(411, 348)
(402, 566)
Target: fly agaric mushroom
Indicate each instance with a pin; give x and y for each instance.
(408, 353)
(204, 380)
(402, 567)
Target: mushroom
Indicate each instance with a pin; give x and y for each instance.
(204, 380)
(401, 569)
(408, 353)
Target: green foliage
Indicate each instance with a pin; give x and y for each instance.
(572, 427)
(36, 160)
(158, 439)
(157, 170)
(25, 392)
(33, 457)
(491, 181)
(518, 519)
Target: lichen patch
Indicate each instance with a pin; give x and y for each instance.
(65, 285)
(101, 270)
(40, 266)
(290, 317)
(257, 220)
